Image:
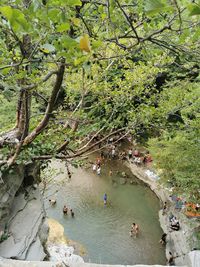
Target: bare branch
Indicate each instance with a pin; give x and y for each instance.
(12, 65)
(179, 14)
(41, 96)
(32, 86)
(91, 139)
(115, 142)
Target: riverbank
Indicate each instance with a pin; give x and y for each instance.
(183, 242)
(180, 243)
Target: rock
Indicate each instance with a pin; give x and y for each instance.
(123, 174)
(194, 258)
(44, 232)
(56, 233)
(11, 183)
(32, 173)
(133, 182)
(24, 223)
(63, 253)
(122, 181)
(35, 251)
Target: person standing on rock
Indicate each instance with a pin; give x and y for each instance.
(98, 170)
(170, 260)
(164, 208)
(94, 167)
(163, 239)
(130, 153)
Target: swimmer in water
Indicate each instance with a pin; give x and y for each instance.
(105, 199)
(65, 209)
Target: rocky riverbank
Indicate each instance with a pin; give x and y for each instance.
(27, 228)
(61, 249)
(182, 243)
(23, 224)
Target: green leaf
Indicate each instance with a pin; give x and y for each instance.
(63, 27)
(14, 16)
(153, 5)
(7, 12)
(5, 71)
(54, 15)
(96, 44)
(68, 42)
(73, 2)
(194, 9)
(19, 19)
(48, 48)
(156, 6)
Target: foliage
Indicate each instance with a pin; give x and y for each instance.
(177, 156)
(130, 65)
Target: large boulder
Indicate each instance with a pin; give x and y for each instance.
(24, 225)
(9, 185)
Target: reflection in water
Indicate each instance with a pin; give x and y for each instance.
(104, 230)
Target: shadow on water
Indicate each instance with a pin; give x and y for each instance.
(104, 230)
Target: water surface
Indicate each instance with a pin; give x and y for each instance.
(104, 230)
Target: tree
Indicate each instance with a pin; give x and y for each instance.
(106, 56)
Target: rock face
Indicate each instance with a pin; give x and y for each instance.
(21, 210)
(58, 246)
(63, 253)
(14, 263)
(24, 224)
(9, 185)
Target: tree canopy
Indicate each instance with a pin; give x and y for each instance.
(101, 67)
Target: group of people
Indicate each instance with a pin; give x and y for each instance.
(138, 158)
(174, 223)
(65, 208)
(96, 167)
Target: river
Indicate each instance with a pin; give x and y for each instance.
(104, 230)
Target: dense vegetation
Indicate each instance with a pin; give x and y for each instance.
(102, 67)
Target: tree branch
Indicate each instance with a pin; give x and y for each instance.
(50, 105)
(79, 154)
(32, 86)
(41, 96)
(129, 21)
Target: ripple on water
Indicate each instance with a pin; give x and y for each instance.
(104, 231)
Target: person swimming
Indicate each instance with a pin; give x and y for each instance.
(105, 199)
(65, 209)
(72, 213)
(134, 230)
(52, 202)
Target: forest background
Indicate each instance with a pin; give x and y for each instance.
(103, 67)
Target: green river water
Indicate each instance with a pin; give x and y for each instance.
(104, 231)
